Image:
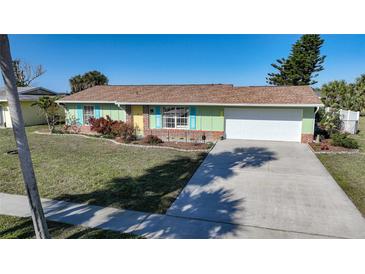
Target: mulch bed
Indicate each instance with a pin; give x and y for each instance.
(179, 145)
(326, 147)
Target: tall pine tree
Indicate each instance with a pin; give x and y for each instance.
(302, 65)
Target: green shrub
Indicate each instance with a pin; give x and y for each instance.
(343, 140)
(210, 145)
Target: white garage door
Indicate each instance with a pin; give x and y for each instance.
(272, 124)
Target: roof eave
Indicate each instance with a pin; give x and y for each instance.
(191, 104)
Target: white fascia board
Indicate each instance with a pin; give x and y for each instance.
(85, 102)
(22, 100)
(216, 104)
(192, 104)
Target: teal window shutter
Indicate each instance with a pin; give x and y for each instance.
(97, 111)
(158, 117)
(80, 115)
(192, 117)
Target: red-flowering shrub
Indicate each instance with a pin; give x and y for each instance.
(127, 132)
(324, 147)
(101, 125)
(152, 140)
(109, 127)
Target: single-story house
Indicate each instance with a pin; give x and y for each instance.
(187, 112)
(27, 96)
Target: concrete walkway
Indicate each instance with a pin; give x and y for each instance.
(140, 223)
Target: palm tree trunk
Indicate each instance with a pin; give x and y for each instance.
(39, 221)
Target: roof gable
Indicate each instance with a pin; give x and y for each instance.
(28, 93)
(36, 91)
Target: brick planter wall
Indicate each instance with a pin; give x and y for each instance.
(184, 135)
(146, 117)
(87, 130)
(307, 138)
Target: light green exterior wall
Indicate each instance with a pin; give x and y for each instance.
(210, 118)
(152, 117)
(114, 112)
(308, 121)
(70, 113)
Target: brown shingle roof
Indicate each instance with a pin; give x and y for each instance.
(219, 94)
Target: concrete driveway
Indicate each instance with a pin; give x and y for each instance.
(261, 189)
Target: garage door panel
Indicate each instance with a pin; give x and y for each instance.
(263, 124)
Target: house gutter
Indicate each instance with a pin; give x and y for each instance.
(191, 104)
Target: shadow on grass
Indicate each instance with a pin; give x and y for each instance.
(158, 188)
(22, 228)
(153, 192)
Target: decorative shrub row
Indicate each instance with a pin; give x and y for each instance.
(343, 140)
(111, 128)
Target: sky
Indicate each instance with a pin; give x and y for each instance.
(178, 59)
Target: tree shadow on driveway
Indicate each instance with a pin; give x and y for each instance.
(210, 195)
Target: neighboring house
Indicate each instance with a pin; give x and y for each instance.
(31, 114)
(188, 112)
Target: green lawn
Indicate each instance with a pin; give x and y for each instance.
(349, 170)
(360, 137)
(22, 228)
(98, 172)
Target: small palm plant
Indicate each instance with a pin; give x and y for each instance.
(50, 109)
(331, 121)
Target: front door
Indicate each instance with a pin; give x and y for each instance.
(137, 116)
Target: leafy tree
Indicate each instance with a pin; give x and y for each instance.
(50, 109)
(77, 83)
(25, 74)
(341, 95)
(334, 93)
(302, 64)
(359, 87)
(87, 80)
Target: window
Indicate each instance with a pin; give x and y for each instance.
(88, 113)
(182, 115)
(175, 117)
